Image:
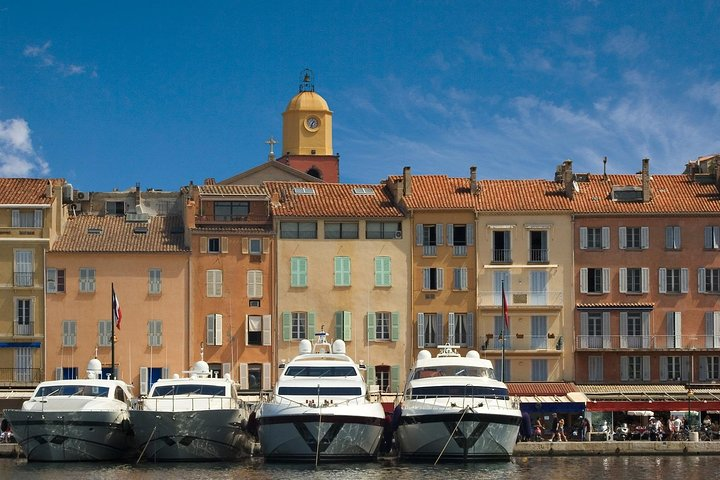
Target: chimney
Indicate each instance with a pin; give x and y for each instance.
(605, 168)
(645, 175)
(407, 181)
(568, 179)
(474, 187)
(275, 199)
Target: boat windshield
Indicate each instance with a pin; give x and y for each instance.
(188, 389)
(454, 371)
(320, 371)
(458, 391)
(322, 391)
(72, 391)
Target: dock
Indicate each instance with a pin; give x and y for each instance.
(610, 447)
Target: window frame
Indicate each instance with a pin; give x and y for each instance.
(87, 280)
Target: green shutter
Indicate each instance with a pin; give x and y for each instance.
(395, 328)
(371, 326)
(370, 375)
(347, 326)
(395, 378)
(311, 325)
(286, 326)
(339, 325)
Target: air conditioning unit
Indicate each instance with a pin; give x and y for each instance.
(80, 195)
(398, 234)
(75, 208)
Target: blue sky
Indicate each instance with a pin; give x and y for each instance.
(109, 94)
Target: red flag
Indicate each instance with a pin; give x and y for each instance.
(505, 308)
(117, 313)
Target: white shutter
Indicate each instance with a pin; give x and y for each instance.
(644, 237)
(623, 280)
(450, 237)
(624, 369)
(439, 234)
(244, 377)
(606, 330)
(266, 380)
(584, 330)
(606, 280)
(203, 244)
(622, 237)
(470, 234)
(663, 368)
(419, 234)
(645, 279)
(583, 238)
(583, 280)
(267, 329)
(218, 329)
(451, 328)
(143, 380)
(224, 244)
(662, 280)
(623, 329)
(646, 368)
(701, 280)
(605, 238)
(684, 280)
(440, 278)
(470, 329)
(225, 368)
(421, 329)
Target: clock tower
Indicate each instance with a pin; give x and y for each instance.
(307, 133)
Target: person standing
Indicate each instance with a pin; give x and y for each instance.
(561, 430)
(554, 427)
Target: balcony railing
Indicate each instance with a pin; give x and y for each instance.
(520, 342)
(20, 377)
(502, 255)
(538, 255)
(24, 279)
(429, 250)
(459, 250)
(647, 342)
(22, 329)
(518, 298)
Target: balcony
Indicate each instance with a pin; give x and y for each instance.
(501, 255)
(538, 255)
(24, 279)
(521, 298)
(20, 377)
(647, 342)
(24, 329)
(459, 251)
(517, 342)
(429, 250)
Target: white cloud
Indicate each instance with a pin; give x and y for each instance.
(46, 59)
(17, 155)
(626, 43)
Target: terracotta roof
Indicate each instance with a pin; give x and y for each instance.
(522, 195)
(233, 190)
(25, 191)
(615, 306)
(219, 229)
(670, 194)
(331, 200)
(114, 234)
(540, 388)
(438, 192)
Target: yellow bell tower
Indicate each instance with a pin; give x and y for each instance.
(307, 133)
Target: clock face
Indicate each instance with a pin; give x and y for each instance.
(312, 123)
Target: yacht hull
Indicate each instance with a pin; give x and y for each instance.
(457, 434)
(190, 435)
(292, 433)
(71, 436)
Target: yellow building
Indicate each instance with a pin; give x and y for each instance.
(31, 217)
(342, 266)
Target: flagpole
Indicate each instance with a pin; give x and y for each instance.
(112, 331)
(505, 320)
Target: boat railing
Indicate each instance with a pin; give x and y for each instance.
(442, 402)
(318, 403)
(174, 403)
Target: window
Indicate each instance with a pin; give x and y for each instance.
(23, 316)
(298, 230)
(383, 276)
(539, 370)
(501, 333)
(382, 377)
(254, 377)
(254, 284)
(634, 280)
(672, 238)
(342, 271)
(87, 280)
(670, 368)
(634, 238)
(594, 280)
(383, 326)
(538, 287)
(712, 237)
(460, 236)
(299, 325)
(254, 330)
(69, 332)
(460, 278)
(674, 329)
(428, 237)
(673, 280)
(255, 246)
(231, 211)
(460, 328)
(429, 329)
(154, 281)
(104, 333)
(594, 330)
(24, 268)
(213, 245)
(341, 230)
(595, 368)
(27, 219)
(343, 325)
(709, 280)
(298, 271)
(502, 369)
(709, 368)
(214, 329)
(214, 283)
(594, 238)
(501, 246)
(432, 278)
(55, 280)
(383, 230)
(538, 332)
(23, 371)
(634, 369)
(634, 330)
(538, 246)
(712, 329)
(154, 333)
(115, 208)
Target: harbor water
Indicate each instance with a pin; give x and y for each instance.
(519, 468)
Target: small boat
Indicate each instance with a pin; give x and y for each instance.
(75, 420)
(193, 418)
(454, 408)
(320, 409)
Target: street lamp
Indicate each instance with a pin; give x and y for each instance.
(690, 394)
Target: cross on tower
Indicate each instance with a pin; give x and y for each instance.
(271, 141)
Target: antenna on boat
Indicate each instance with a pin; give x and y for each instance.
(202, 351)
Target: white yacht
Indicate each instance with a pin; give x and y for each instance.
(454, 408)
(320, 409)
(75, 420)
(198, 417)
